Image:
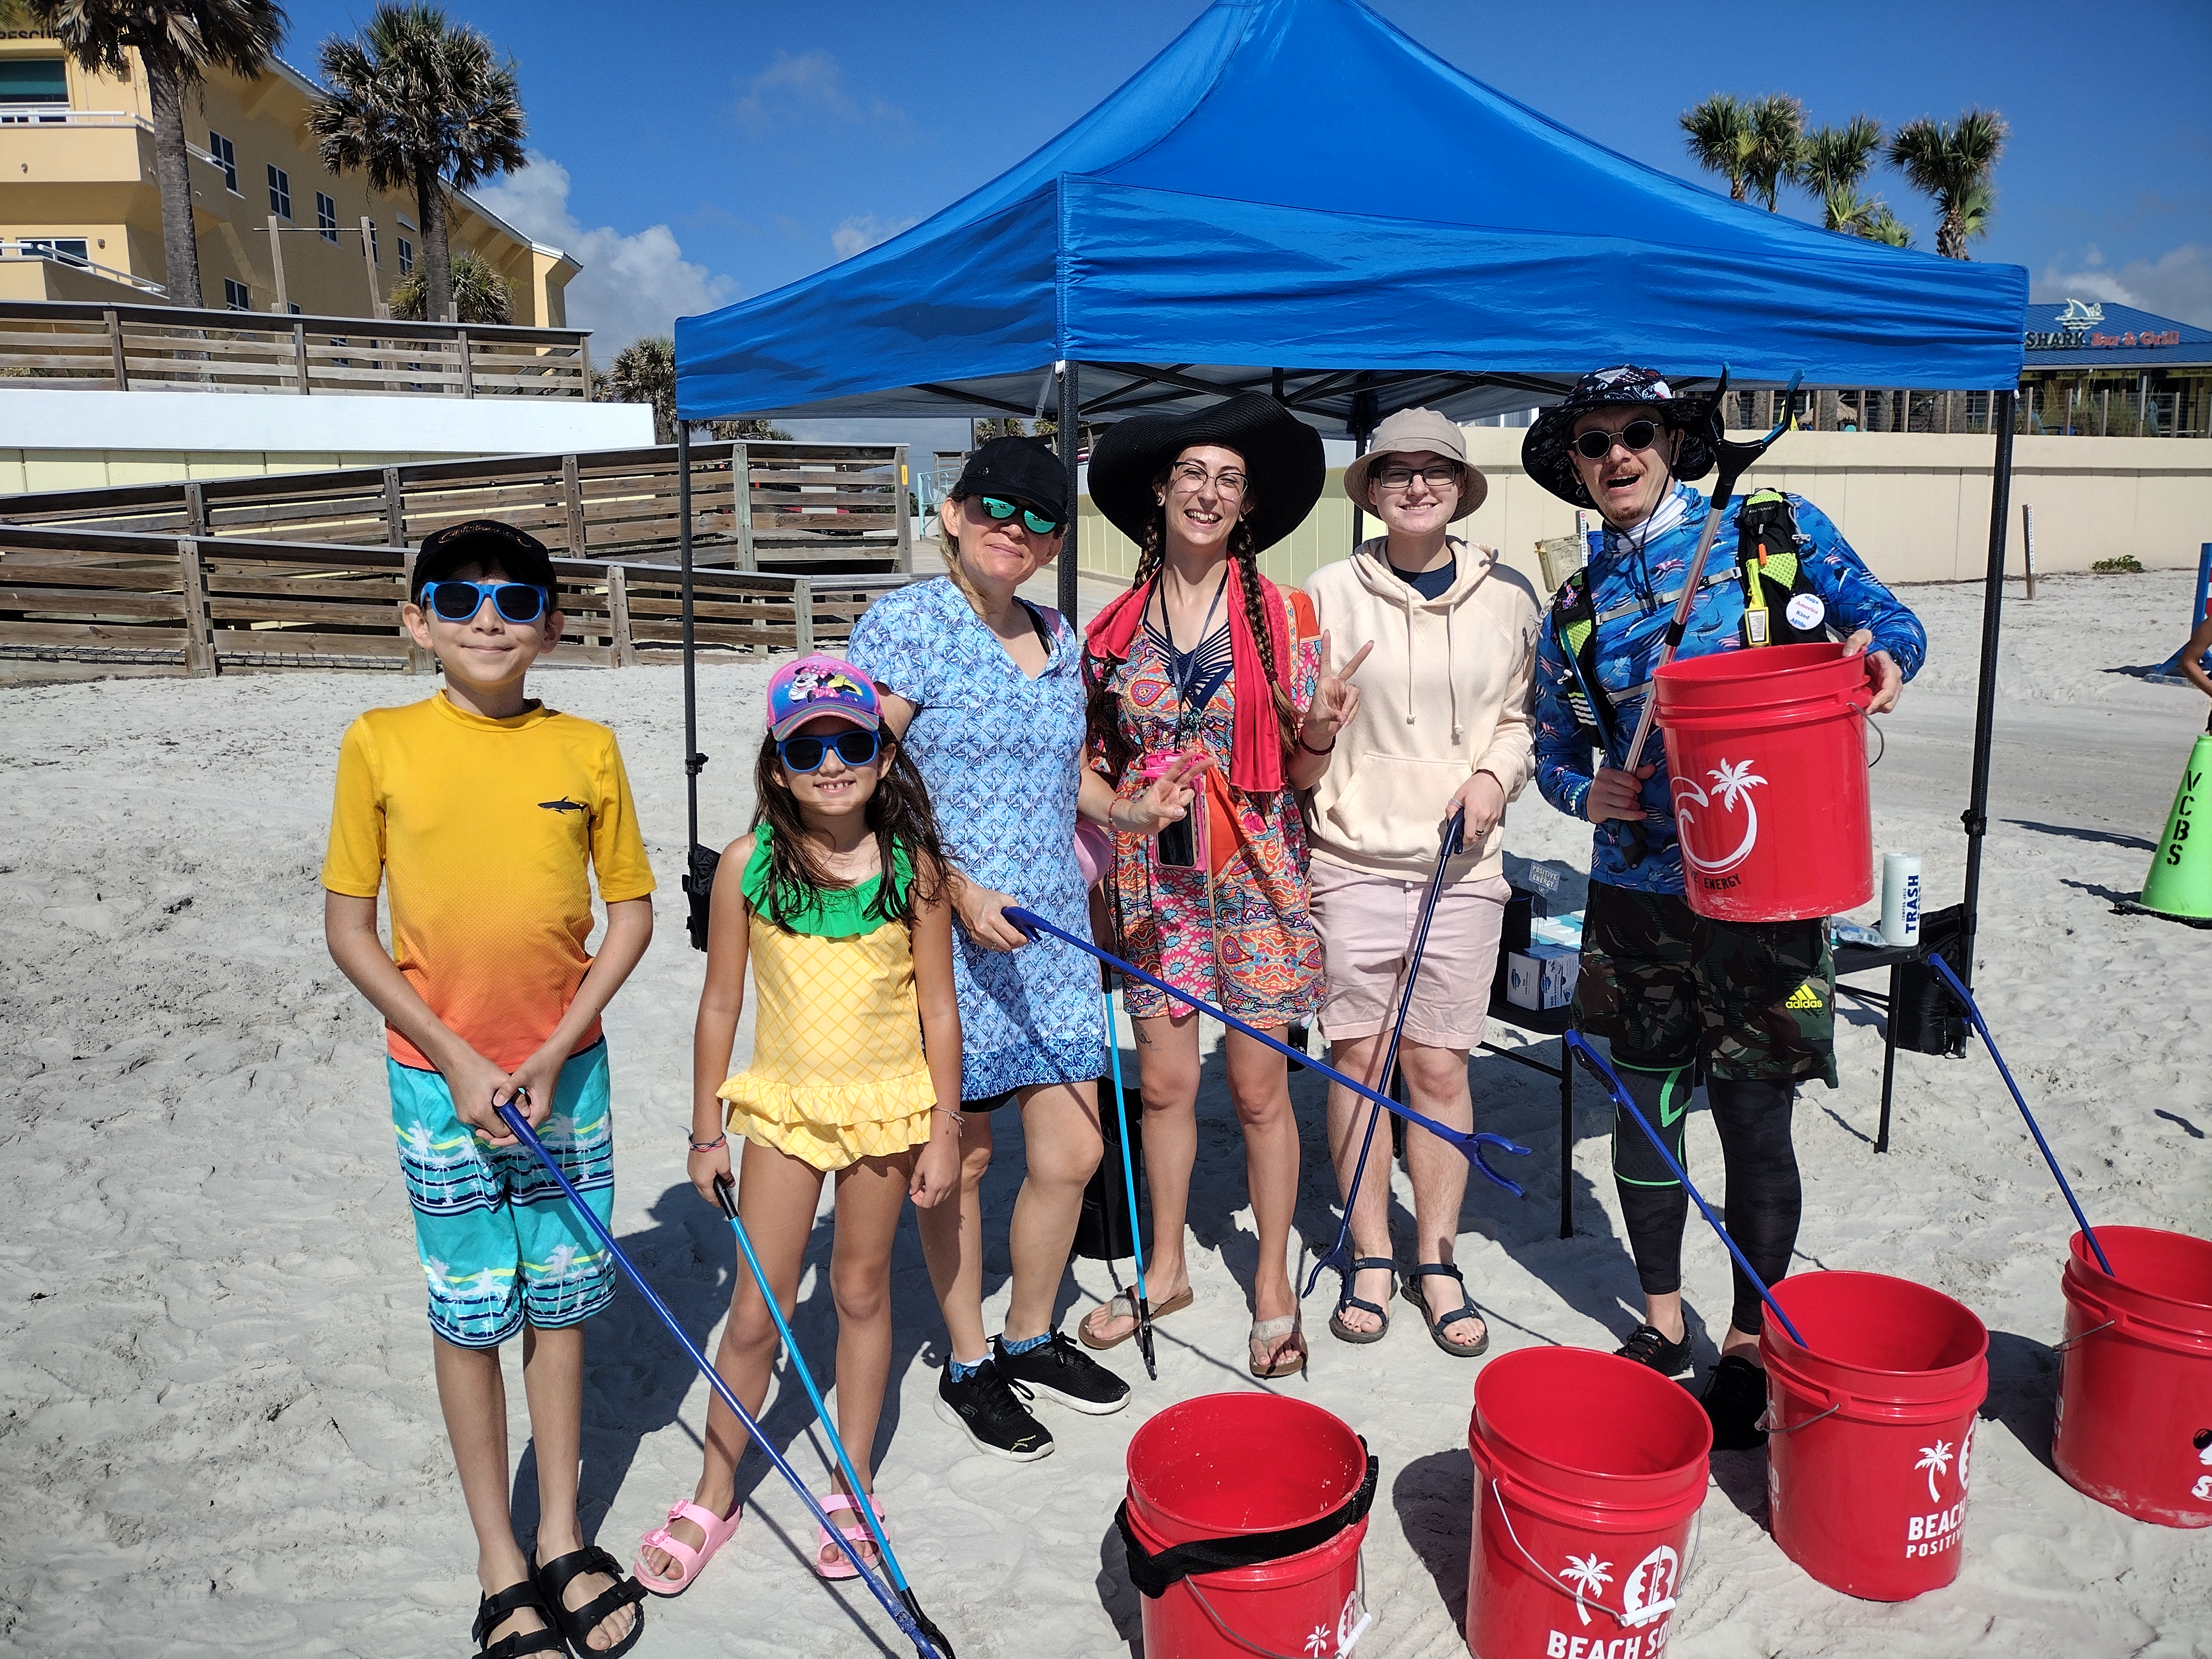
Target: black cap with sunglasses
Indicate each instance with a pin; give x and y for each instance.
(1021, 475)
(487, 544)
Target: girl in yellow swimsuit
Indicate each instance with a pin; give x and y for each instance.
(836, 899)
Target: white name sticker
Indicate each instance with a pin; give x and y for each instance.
(1805, 612)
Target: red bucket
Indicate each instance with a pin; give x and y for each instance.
(1871, 1433)
(2134, 1389)
(1227, 1465)
(1782, 727)
(1588, 1469)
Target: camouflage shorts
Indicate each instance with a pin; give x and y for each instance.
(1662, 983)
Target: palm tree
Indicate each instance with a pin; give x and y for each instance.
(1951, 165)
(177, 41)
(1832, 165)
(418, 102)
(1778, 144)
(1720, 134)
(644, 372)
(1881, 225)
(480, 294)
(1936, 1459)
(1589, 1576)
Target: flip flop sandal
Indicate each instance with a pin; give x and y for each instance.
(1411, 1290)
(1284, 1343)
(1122, 1304)
(493, 1611)
(854, 1538)
(691, 1560)
(578, 1623)
(1344, 1333)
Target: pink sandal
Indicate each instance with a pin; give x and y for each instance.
(719, 1529)
(855, 1538)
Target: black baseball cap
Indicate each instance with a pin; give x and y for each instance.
(482, 543)
(1018, 469)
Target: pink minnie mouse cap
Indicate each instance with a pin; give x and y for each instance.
(820, 684)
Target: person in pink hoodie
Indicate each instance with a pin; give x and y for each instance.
(1442, 727)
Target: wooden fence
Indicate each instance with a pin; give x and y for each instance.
(840, 509)
(125, 347)
(198, 603)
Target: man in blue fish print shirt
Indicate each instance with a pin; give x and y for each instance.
(1664, 986)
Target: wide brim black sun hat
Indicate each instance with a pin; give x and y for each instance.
(1282, 456)
(1545, 454)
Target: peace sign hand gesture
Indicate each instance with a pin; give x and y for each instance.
(1336, 700)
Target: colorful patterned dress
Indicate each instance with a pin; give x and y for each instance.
(1268, 971)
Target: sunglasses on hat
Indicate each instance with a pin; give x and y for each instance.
(459, 601)
(1003, 510)
(855, 746)
(1595, 444)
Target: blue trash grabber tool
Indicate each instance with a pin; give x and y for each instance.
(1339, 1255)
(726, 1197)
(909, 1624)
(1129, 1186)
(1605, 1074)
(1974, 1014)
(1468, 1145)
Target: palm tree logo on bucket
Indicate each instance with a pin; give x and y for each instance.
(1589, 1576)
(1936, 1459)
(1733, 782)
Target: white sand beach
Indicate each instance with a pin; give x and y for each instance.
(221, 1434)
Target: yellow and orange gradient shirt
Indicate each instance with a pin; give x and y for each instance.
(489, 832)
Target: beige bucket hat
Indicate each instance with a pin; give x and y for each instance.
(1407, 433)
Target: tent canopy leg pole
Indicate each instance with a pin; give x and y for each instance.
(1976, 817)
(691, 683)
(1070, 442)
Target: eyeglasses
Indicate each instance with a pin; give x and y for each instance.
(458, 601)
(855, 746)
(1190, 478)
(1596, 445)
(1004, 510)
(1401, 477)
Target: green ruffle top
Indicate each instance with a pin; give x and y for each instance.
(833, 912)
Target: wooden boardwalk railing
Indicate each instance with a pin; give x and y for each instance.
(125, 347)
(198, 603)
(787, 507)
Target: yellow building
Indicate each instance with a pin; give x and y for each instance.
(81, 213)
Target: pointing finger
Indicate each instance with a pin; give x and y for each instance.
(1352, 667)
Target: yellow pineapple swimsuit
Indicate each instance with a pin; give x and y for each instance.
(837, 1072)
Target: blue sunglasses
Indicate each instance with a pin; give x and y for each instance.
(855, 746)
(459, 601)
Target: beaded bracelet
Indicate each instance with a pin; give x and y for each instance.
(709, 1146)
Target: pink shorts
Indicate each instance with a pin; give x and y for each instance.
(1366, 924)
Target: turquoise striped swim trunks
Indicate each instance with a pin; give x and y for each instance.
(500, 1244)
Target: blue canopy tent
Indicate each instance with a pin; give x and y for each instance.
(1295, 197)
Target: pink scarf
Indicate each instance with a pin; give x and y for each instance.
(1256, 738)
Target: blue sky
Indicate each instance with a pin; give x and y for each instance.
(693, 155)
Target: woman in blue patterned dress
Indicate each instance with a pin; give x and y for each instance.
(985, 691)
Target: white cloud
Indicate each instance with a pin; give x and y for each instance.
(630, 285)
(2176, 284)
(863, 230)
(807, 89)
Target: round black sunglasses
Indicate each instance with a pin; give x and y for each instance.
(1596, 445)
(855, 747)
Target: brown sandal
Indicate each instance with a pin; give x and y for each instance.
(1122, 1304)
(1278, 1348)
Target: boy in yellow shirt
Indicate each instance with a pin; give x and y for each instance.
(487, 813)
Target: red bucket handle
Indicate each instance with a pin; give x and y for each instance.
(1643, 1616)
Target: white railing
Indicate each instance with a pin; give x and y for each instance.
(56, 115)
(42, 248)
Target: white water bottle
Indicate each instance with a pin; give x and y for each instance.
(1900, 898)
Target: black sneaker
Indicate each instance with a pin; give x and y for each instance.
(1736, 1399)
(1647, 1347)
(985, 1407)
(1061, 1372)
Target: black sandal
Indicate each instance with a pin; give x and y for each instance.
(493, 1611)
(1344, 1333)
(1467, 1310)
(553, 1580)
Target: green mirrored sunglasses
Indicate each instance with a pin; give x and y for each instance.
(1003, 510)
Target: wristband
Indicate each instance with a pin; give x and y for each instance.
(718, 1142)
(1310, 749)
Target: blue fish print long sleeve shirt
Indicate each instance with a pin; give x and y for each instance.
(1641, 581)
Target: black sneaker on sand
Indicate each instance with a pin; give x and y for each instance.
(1736, 1399)
(1056, 1369)
(1647, 1347)
(985, 1409)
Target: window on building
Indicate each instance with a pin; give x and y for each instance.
(406, 256)
(69, 250)
(326, 216)
(280, 191)
(237, 297)
(375, 247)
(33, 80)
(225, 157)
